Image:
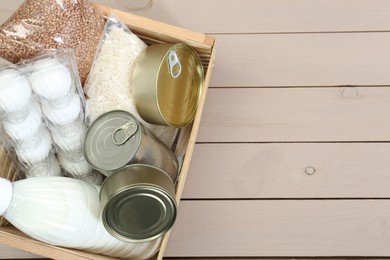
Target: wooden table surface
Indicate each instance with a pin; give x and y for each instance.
(293, 154)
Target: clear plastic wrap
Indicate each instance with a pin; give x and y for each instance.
(108, 86)
(53, 114)
(52, 24)
(23, 130)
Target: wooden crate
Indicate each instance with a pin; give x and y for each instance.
(151, 32)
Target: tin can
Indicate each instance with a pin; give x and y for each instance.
(117, 138)
(167, 84)
(138, 203)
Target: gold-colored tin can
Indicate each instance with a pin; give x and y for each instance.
(138, 203)
(167, 84)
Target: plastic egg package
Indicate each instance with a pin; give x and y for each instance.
(42, 104)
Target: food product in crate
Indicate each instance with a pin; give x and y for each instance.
(108, 86)
(55, 81)
(138, 203)
(28, 126)
(51, 24)
(15, 94)
(76, 165)
(117, 138)
(65, 212)
(51, 81)
(22, 121)
(37, 155)
(168, 83)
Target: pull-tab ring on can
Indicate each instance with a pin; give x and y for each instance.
(129, 129)
(174, 64)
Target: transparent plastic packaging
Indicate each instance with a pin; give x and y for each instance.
(27, 128)
(108, 86)
(65, 212)
(77, 167)
(15, 94)
(53, 118)
(39, 25)
(22, 123)
(55, 81)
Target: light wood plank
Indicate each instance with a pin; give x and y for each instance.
(302, 59)
(7, 8)
(161, 32)
(341, 170)
(253, 16)
(281, 228)
(14, 238)
(296, 114)
(12, 253)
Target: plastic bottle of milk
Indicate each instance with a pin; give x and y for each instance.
(64, 212)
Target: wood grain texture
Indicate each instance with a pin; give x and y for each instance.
(342, 170)
(276, 60)
(12, 253)
(281, 228)
(14, 238)
(299, 59)
(296, 115)
(253, 16)
(266, 16)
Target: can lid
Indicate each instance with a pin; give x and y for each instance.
(140, 214)
(112, 140)
(138, 203)
(180, 84)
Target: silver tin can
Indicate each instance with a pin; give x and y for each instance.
(138, 203)
(117, 138)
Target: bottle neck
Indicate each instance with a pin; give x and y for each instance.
(6, 191)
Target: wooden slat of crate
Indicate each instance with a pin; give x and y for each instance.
(155, 32)
(12, 237)
(289, 228)
(296, 60)
(285, 170)
(296, 115)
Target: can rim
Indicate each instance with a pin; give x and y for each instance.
(108, 172)
(146, 187)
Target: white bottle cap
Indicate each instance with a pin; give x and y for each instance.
(5, 195)
(15, 91)
(50, 79)
(63, 115)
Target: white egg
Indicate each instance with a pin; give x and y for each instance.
(64, 115)
(50, 79)
(49, 167)
(34, 151)
(75, 169)
(71, 140)
(15, 91)
(28, 127)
